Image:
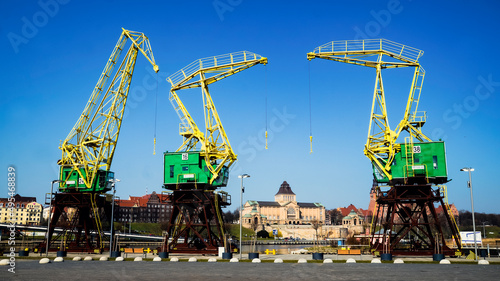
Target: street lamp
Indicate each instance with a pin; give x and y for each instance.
(48, 217)
(469, 184)
(241, 204)
(484, 229)
(113, 181)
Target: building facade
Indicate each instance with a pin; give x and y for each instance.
(25, 210)
(153, 208)
(284, 210)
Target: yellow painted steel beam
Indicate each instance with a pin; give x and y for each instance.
(91, 143)
(214, 142)
(381, 146)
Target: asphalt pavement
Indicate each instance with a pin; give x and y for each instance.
(292, 270)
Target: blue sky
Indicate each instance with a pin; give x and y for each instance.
(54, 51)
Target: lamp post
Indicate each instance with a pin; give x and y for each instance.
(241, 205)
(469, 184)
(484, 229)
(49, 218)
(112, 213)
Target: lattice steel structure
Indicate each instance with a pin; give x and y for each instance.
(87, 151)
(409, 168)
(201, 164)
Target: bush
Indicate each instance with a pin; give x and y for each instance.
(262, 234)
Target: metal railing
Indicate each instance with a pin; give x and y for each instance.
(418, 117)
(212, 62)
(397, 50)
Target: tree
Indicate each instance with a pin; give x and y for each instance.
(315, 225)
(263, 234)
(254, 225)
(335, 216)
(231, 217)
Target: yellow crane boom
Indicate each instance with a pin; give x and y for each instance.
(214, 144)
(381, 146)
(87, 151)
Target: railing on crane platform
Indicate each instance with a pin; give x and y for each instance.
(212, 62)
(397, 50)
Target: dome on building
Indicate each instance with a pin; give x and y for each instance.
(351, 215)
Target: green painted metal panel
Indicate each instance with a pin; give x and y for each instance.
(188, 170)
(71, 181)
(428, 163)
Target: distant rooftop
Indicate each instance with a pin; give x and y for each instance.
(285, 189)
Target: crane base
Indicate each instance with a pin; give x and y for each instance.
(196, 225)
(74, 217)
(406, 222)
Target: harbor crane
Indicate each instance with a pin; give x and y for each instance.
(411, 168)
(200, 166)
(87, 151)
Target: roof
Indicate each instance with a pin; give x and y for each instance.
(276, 204)
(268, 203)
(142, 201)
(351, 215)
(19, 199)
(347, 210)
(285, 189)
(309, 205)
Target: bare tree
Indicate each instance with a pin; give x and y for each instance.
(315, 225)
(254, 225)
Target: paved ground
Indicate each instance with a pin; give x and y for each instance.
(129, 270)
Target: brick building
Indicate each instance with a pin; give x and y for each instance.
(153, 208)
